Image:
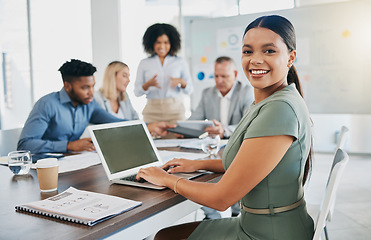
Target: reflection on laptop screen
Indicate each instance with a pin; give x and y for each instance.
(125, 147)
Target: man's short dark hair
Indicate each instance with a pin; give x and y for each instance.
(76, 68)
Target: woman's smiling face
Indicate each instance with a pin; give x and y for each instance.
(162, 46)
(265, 58)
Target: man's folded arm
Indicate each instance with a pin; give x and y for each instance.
(41, 146)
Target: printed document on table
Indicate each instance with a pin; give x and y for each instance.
(193, 143)
(76, 162)
(169, 155)
(173, 142)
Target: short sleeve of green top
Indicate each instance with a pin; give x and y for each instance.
(274, 118)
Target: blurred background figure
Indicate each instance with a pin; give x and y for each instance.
(163, 76)
(226, 102)
(112, 96)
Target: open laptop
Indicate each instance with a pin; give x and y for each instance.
(124, 148)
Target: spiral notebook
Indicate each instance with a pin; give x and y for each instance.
(73, 205)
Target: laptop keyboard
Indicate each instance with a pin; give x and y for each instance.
(132, 178)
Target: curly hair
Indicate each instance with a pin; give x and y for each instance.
(157, 30)
(76, 68)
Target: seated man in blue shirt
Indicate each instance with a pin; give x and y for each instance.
(58, 119)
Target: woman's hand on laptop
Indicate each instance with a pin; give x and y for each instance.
(163, 177)
(154, 175)
(181, 165)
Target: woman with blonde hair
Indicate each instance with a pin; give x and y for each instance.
(112, 95)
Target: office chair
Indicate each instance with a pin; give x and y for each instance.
(8, 140)
(328, 202)
(343, 136)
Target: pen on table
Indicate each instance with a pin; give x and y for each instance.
(205, 134)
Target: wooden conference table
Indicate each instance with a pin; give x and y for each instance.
(159, 208)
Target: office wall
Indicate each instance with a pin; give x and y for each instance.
(326, 128)
(333, 63)
(15, 82)
(106, 35)
(60, 31)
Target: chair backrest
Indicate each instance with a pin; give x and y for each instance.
(343, 136)
(8, 140)
(328, 202)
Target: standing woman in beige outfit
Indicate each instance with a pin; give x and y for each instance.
(163, 76)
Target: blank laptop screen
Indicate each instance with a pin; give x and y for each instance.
(125, 147)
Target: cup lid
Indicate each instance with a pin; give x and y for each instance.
(46, 163)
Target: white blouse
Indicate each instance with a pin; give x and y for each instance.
(173, 66)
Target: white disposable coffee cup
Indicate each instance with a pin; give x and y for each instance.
(47, 172)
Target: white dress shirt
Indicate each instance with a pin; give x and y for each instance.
(225, 102)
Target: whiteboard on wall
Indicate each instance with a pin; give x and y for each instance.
(333, 53)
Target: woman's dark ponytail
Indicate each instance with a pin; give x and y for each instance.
(292, 77)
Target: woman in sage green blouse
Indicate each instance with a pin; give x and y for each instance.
(267, 158)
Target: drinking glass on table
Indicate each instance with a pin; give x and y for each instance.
(211, 145)
(19, 162)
